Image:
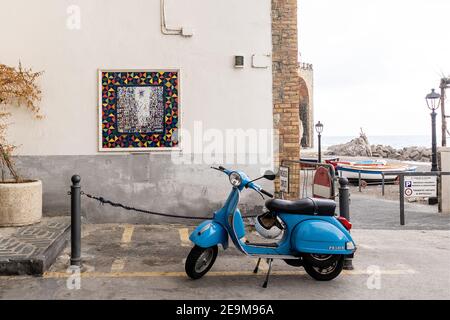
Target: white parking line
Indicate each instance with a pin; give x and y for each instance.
(184, 237)
(127, 234)
(118, 265)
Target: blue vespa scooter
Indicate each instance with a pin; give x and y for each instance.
(312, 236)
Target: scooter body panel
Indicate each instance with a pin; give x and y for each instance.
(307, 234)
(320, 236)
(210, 233)
(238, 224)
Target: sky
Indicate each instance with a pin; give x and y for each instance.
(374, 62)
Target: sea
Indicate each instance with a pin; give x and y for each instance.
(397, 142)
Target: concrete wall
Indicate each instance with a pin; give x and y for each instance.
(141, 180)
(444, 156)
(117, 34)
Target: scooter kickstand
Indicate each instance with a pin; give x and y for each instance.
(257, 266)
(268, 273)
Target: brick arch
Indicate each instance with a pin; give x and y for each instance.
(304, 93)
(305, 114)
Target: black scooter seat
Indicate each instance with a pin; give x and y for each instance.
(307, 206)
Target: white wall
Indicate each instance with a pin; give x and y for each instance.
(118, 34)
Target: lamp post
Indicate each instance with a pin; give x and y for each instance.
(319, 130)
(433, 100)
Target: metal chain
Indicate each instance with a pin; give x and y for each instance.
(115, 204)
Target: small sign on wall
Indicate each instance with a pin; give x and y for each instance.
(420, 187)
(284, 179)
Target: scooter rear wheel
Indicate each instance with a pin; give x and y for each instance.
(320, 260)
(199, 261)
(325, 273)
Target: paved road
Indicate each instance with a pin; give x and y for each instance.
(368, 212)
(147, 262)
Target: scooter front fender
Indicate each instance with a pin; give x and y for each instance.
(208, 234)
(321, 237)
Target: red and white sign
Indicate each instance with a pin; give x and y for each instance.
(322, 184)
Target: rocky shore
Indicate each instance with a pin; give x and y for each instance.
(420, 154)
(361, 147)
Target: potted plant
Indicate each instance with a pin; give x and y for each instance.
(20, 199)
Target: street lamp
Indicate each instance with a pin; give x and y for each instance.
(319, 130)
(432, 100)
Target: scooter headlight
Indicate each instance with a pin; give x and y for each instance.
(235, 179)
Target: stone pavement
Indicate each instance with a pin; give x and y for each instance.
(368, 212)
(123, 261)
(32, 249)
(147, 262)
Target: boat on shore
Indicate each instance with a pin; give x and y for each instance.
(313, 162)
(373, 172)
(370, 170)
(365, 163)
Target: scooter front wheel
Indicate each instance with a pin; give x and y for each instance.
(325, 273)
(199, 261)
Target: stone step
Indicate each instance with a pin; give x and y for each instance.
(31, 250)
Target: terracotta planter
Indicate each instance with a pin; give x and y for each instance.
(20, 203)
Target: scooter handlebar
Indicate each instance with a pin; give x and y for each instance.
(249, 184)
(266, 193)
(219, 168)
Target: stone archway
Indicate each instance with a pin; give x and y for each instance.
(305, 114)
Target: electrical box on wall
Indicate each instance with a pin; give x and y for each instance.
(262, 61)
(239, 61)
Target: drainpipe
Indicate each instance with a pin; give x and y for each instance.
(164, 29)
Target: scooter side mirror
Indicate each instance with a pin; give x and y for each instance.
(269, 175)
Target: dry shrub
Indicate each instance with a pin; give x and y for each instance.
(17, 87)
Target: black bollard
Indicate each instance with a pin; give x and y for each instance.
(344, 198)
(344, 211)
(75, 225)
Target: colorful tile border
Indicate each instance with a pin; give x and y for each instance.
(110, 137)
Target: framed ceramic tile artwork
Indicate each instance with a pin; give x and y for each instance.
(139, 110)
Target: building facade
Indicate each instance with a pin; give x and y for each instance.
(86, 46)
